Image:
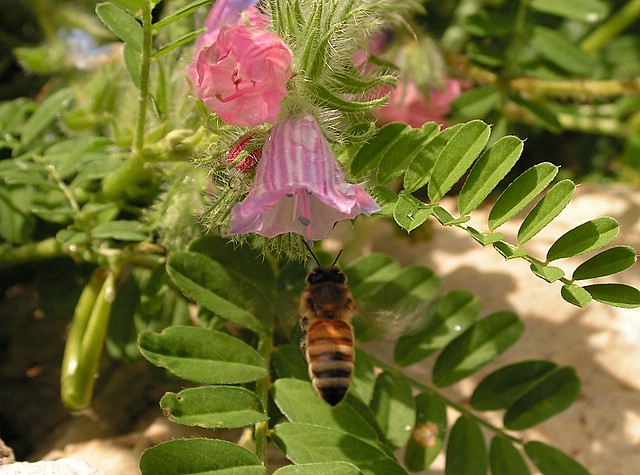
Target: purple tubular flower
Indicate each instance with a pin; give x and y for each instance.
(299, 186)
(223, 12)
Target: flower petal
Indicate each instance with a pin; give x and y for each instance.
(299, 186)
(243, 75)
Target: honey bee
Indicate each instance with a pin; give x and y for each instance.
(326, 309)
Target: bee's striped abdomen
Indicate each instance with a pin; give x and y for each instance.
(329, 353)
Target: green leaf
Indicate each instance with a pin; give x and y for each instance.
(210, 285)
(409, 212)
(503, 387)
(428, 434)
(616, 295)
(419, 170)
(368, 273)
(476, 102)
(445, 218)
(588, 11)
(509, 251)
(288, 362)
(608, 262)
(476, 347)
(300, 404)
(325, 97)
(456, 157)
(554, 201)
(200, 456)
(364, 378)
(371, 153)
(505, 459)
(326, 468)
(45, 114)
(121, 23)
(520, 193)
(120, 230)
(386, 198)
(177, 43)
(575, 295)
(394, 408)
(70, 156)
(132, 61)
(213, 407)
(547, 272)
(13, 114)
(16, 220)
(489, 54)
(540, 113)
(488, 171)
(308, 443)
(201, 355)
(584, 238)
(411, 144)
(447, 318)
(180, 13)
(551, 461)
(466, 452)
(484, 238)
(249, 269)
(556, 48)
(552, 394)
(351, 82)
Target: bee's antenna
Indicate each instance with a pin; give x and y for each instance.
(306, 244)
(337, 257)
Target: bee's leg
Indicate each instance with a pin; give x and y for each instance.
(303, 347)
(304, 324)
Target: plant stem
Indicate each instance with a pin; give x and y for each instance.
(132, 172)
(265, 348)
(143, 93)
(583, 90)
(617, 23)
(34, 251)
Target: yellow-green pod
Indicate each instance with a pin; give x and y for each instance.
(86, 339)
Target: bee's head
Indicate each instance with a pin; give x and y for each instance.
(326, 275)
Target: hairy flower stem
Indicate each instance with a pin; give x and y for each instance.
(459, 408)
(265, 348)
(143, 93)
(132, 172)
(622, 19)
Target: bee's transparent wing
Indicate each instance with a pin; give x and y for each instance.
(391, 300)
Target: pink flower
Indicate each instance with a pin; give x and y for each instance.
(299, 186)
(406, 104)
(243, 75)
